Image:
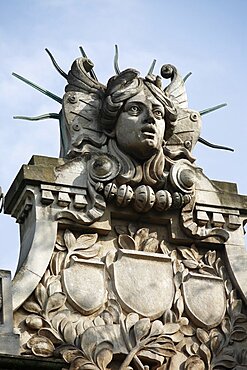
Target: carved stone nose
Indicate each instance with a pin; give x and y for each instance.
(149, 118)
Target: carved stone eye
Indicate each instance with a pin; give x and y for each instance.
(158, 114)
(134, 109)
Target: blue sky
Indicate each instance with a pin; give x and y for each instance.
(206, 37)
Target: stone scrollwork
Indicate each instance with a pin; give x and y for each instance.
(133, 238)
(172, 324)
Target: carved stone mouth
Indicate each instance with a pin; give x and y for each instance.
(148, 128)
(148, 131)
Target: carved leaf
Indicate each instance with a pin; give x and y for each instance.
(141, 237)
(86, 241)
(218, 264)
(176, 337)
(169, 316)
(171, 328)
(207, 270)
(164, 248)
(132, 228)
(107, 317)
(71, 355)
(210, 257)
(55, 301)
(56, 263)
(202, 335)
(187, 253)
(41, 294)
(226, 362)
(178, 279)
(60, 239)
(157, 328)
(191, 264)
(239, 334)
(131, 319)
(228, 286)
(226, 326)
(87, 323)
(32, 306)
(236, 306)
(141, 329)
(103, 355)
(57, 319)
(68, 352)
(233, 296)
(54, 287)
(166, 349)
(195, 252)
(79, 327)
(183, 321)
(187, 330)
(242, 357)
(191, 347)
(86, 254)
(109, 259)
(50, 280)
(194, 348)
(179, 306)
(98, 321)
(51, 334)
(115, 310)
(205, 353)
(41, 346)
(81, 363)
(222, 272)
(194, 362)
(69, 333)
(126, 242)
(151, 245)
(59, 247)
(241, 318)
(69, 239)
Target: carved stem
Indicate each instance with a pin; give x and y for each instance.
(132, 356)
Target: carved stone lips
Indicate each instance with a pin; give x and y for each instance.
(148, 131)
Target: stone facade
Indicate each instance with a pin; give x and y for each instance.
(131, 258)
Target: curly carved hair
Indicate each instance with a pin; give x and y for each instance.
(124, 86)
(119, 89)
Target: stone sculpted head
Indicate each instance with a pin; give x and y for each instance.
(138, 114)
(137, 124)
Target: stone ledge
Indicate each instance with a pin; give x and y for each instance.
(12, 362)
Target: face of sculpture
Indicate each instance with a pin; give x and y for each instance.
(141, 126)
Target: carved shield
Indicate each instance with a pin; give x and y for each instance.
(84, 284)
(144, 282)
(205, 299)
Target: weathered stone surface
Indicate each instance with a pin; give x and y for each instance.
(129, 253)
(9, 341)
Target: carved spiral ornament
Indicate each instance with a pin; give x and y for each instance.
(182, 176)
(103, 167)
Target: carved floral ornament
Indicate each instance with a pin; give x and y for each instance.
(169, 325)
(132, 301)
